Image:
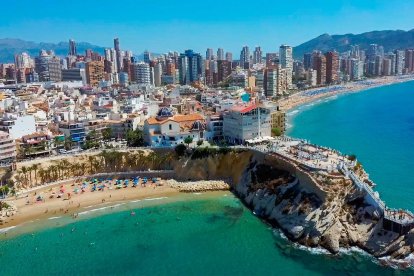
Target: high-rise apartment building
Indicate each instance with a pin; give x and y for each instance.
(307, 61)
(223, 69)
(245, 58)
(409, 60)
(372, 52)
(118, 54)
(378, 65)
(271, 58)
(94, 72)
(142, 73)
(399, 62)
(220, 54)
(332, 67)
(229, 57)
(157, 74)
(147, 57)
(319, 65)
(286, 61)
(48, 67)
(72, 48)
(209, 54)
(257, 55)
(191, 67)
(22, 61)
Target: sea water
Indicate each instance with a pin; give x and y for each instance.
(210, 234)
(213, 233)
(377, 125)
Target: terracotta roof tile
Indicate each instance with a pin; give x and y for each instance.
(176, 118)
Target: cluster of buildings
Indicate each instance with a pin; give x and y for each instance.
(271, 72)
(318, 69)
(49, 104)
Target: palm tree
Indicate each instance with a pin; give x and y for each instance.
(92, 162)
(35, 167)
(42, 175)
(24, 172)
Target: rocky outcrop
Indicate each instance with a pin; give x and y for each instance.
(311, 209)
(198, 186)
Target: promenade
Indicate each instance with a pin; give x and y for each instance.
(331, 162)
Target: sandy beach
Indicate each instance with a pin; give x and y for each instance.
(76, 196)
(310, 95)
(45, 203)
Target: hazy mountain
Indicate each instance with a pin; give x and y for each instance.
(11, 46)
(391, 40)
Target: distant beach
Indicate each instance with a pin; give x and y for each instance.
(311, 95)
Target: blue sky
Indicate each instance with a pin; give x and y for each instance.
(163, 25)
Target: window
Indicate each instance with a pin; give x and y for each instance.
(170, 126)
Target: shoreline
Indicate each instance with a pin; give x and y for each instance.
(50, 202)
(302, 98)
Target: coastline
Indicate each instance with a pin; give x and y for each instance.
(30, 208)
(312, 95)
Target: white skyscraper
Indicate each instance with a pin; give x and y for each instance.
(142, 73)
(257, 55)
(209, 54)
(220, 54)
(399, 62)
(286, 61)
(157, 74)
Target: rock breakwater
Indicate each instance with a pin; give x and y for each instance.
(198, 186)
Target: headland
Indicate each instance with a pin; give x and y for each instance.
(317, 196)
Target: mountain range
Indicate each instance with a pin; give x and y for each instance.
(11, 46)
(390, 39)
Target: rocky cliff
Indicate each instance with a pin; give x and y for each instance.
(312, 209)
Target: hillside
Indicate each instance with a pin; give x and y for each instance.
(391, 40)
(11, 46)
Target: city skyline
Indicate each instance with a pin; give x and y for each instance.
(170, 26)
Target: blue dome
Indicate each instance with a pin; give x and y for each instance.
(165, 112)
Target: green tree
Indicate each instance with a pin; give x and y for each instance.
(59, 142)
(180, 150)
(135, 138)
(107, 134)
(35, 168)
(199, 142)
(68, 143)
(276, 131)
(188, 140)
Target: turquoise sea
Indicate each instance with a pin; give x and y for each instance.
(214, 234)
(377, 125)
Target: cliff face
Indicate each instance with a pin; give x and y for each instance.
(311, 209)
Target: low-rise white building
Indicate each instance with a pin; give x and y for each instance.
(246, 121)
(168, 130)
(7, 148)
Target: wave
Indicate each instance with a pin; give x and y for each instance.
(54, 217)
(100, 209)
(293, 112)
(155, 198)
(133, 201)
(4, 230)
